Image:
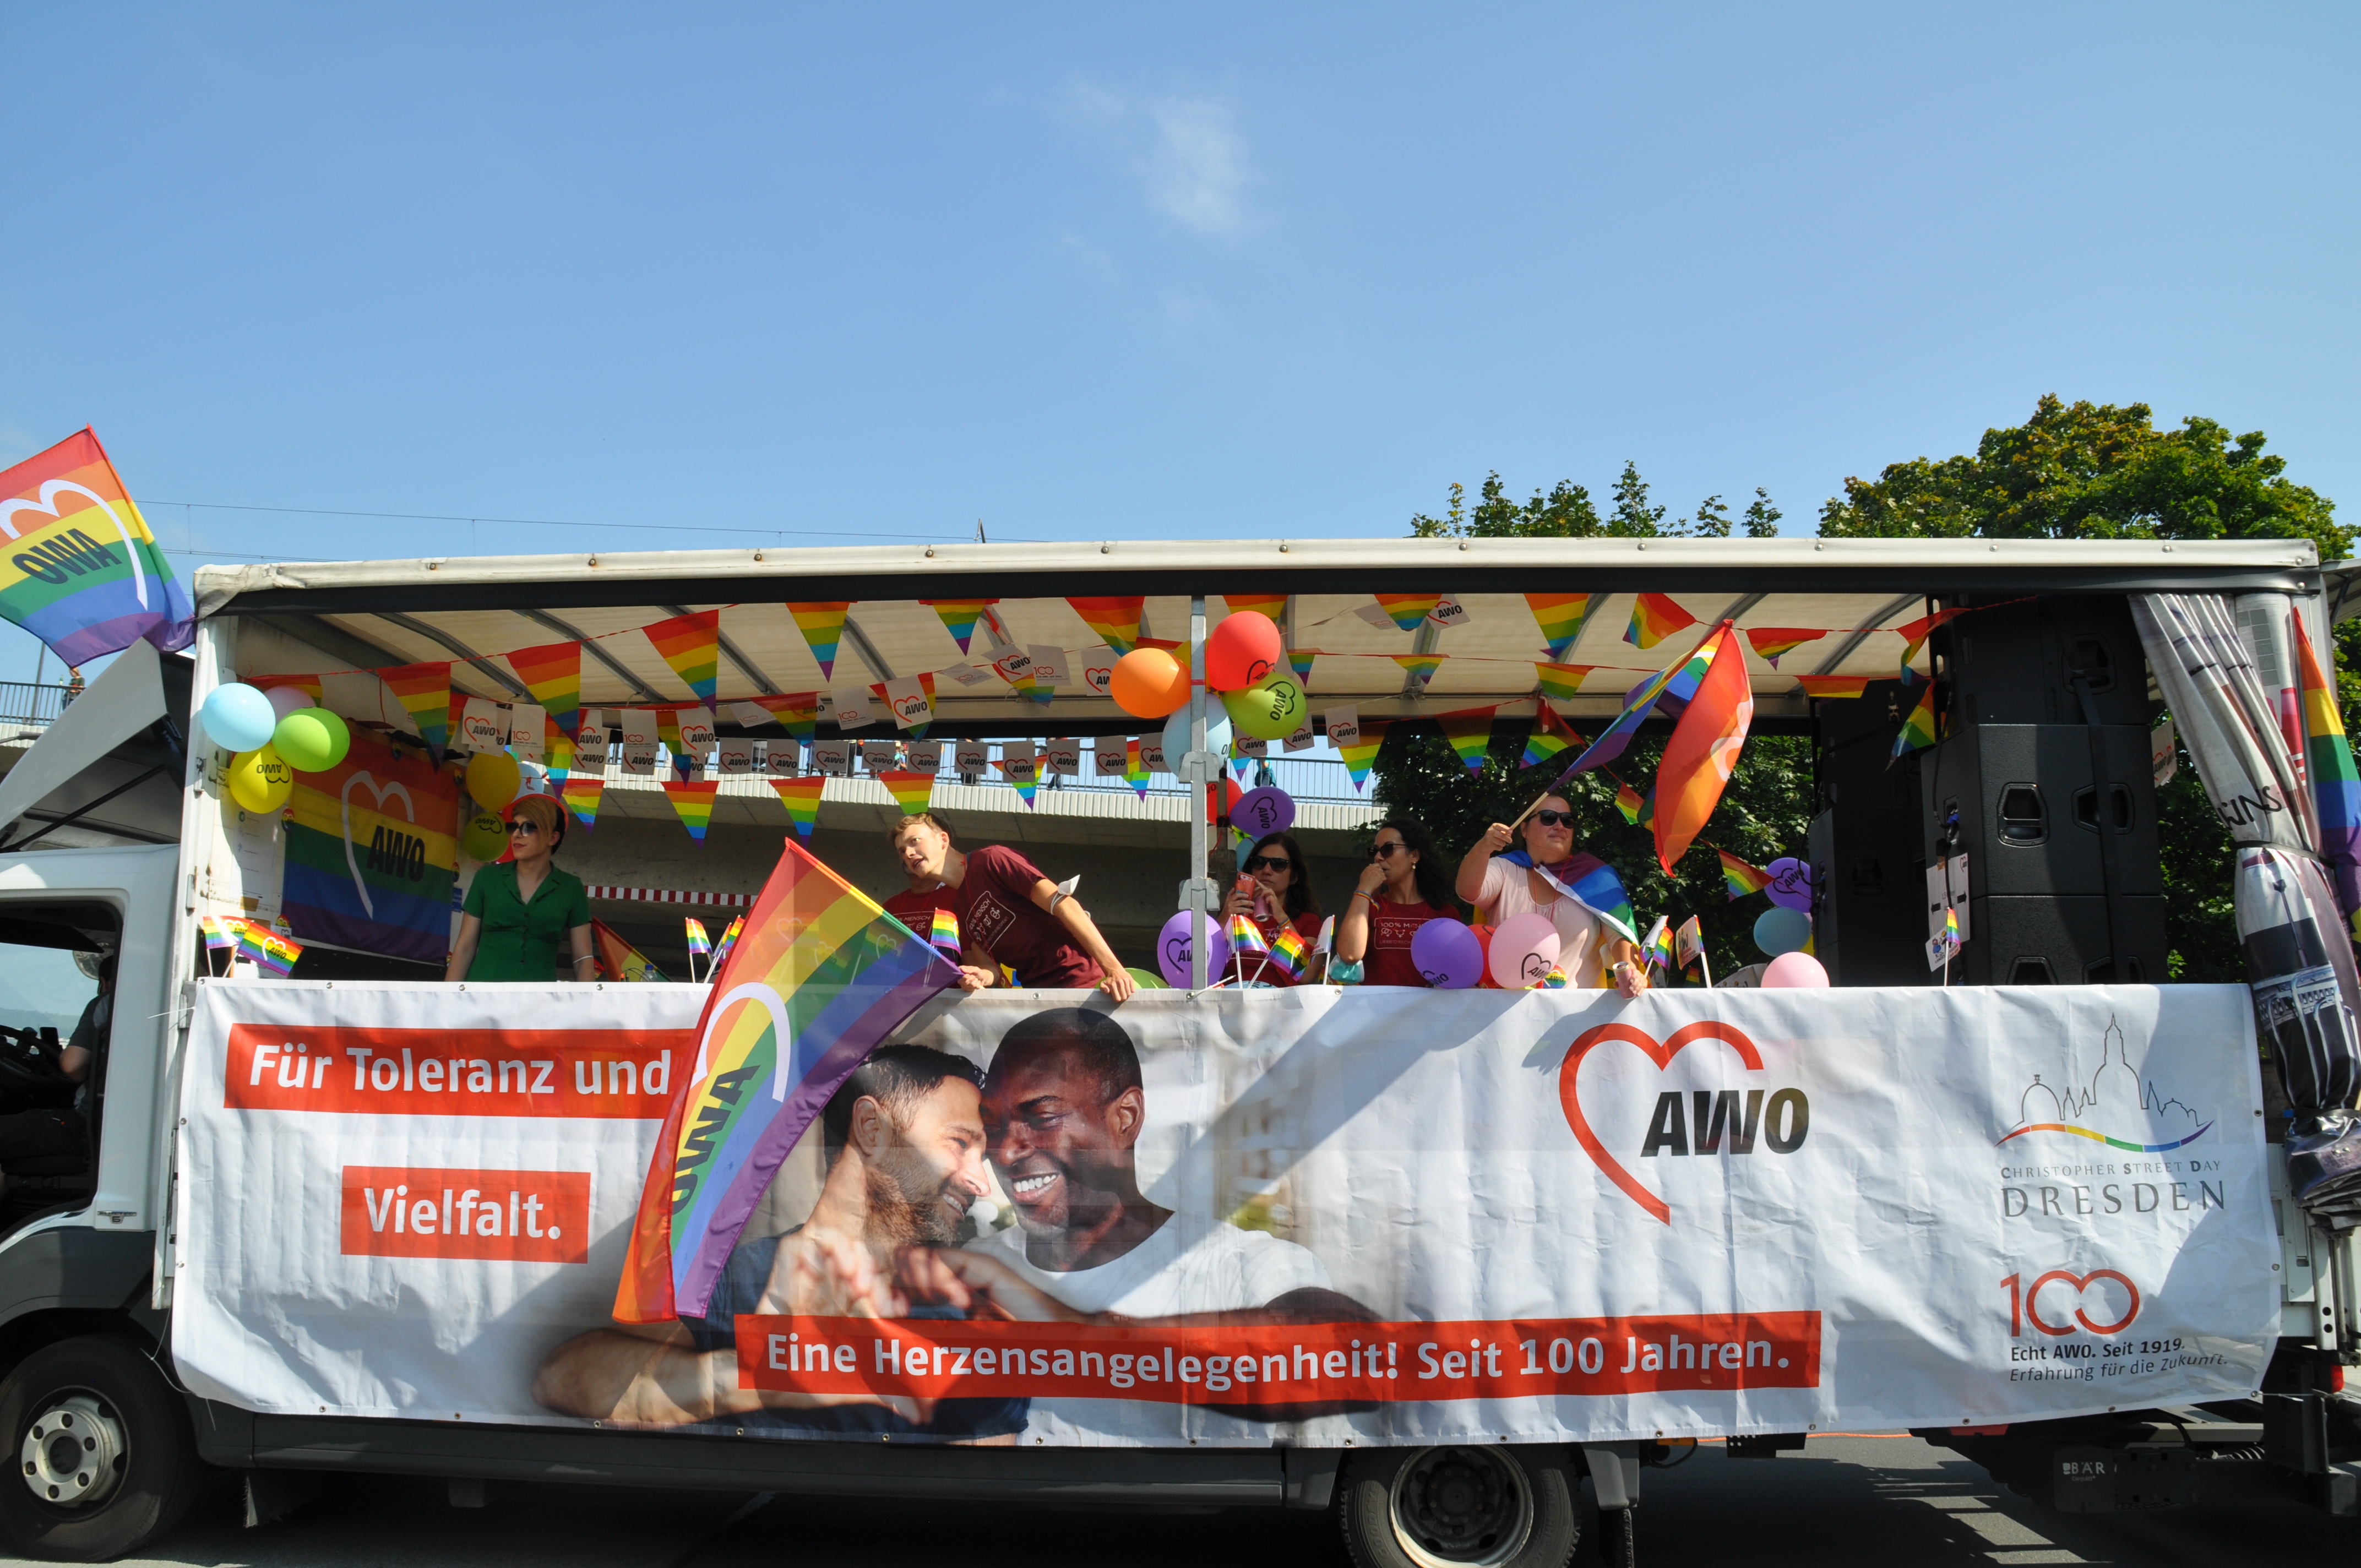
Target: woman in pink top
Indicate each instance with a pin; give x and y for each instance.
(1513, 885)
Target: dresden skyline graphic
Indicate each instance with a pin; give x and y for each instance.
(2115, 1100)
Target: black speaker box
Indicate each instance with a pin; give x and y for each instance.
(2011, 663)
(1866, 848)
(2057, 941)
(2031, 815)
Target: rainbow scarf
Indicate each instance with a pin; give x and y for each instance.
(822, 623)
(1470, 733)
(698, 943)
(2335, 786)
(1589, 881)
(1654, 617)
(801, 797)
(958, 616)
(1560, 617)
(823, 978)
(82, 573)
(1115, 621)
(1739, 877)
(553, 673)
(691, 644)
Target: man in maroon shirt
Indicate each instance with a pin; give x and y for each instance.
(1010, 914)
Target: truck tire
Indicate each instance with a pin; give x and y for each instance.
(1459, 1505)
(103, 1457)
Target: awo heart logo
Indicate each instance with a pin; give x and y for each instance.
(1569, 1095)
(391, 789)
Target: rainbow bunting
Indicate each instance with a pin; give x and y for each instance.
(1421, 666)
(553, 673)
(824, 976)
(1703, 751)
(691, 644)
(425, 692)
(944, 935)
(1406, 610)
(1914, 634)
(1300, 661)
(796, 712)
(1024, 773)
(958, 616)
(1287, 950)
(1657, 948)
(581, 797)
(1550, 736)
(1560, 683)
(1918, 730)
(1245, 937)
(1830, 689)
(822, 623)
(728, 940)
(697, 941)
(618, 959)
(1470, 730)
(1629, 802)
(1115, 621)
(82, 573)
(1770, 641)
(801, 797)
(1271, 604)
(1135, 770)
(1681, 676)
(1654, 617)
(2335, 786)
(1361, 755)
(911, 792)
(1560, 617)
(692, 802)
(265, 949)
(1741, 877)
(558, 746)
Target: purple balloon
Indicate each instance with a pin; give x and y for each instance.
(1791, 883)
(1264, 810)
(1448, 954)
(1172, 949)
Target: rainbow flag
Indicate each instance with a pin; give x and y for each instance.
(958, 616)
(692, 801)
(553, 673)
(81, 572)
(1361, 755)
(1287, 950)
(698, 943)
(1918, 730)
(822, 623)
(1689, 940)
(372, 853)
(1770, 641)
(1554, 981)
(1833, 688)
(911, 792)
(580, 796)
(1406, 610)
(691, 644)
(2335, 786)
(1550, 736)
(1703, 751)
(823, 978)
(1245, 937)
(1135, 770)
(1300, 661)
(1560, 683)
(1951, 926)
(1739, 877)
(267, 949)
(801, 797)
(1560, 617)
(945, 936)
(1115, 621)
(1271, 604)
(796, 712)
(728, 940)
(219, 938)
(425, 692)
(618, 959)
(1654, 617)
(1641, 701)
(1657, 948)
(1421, 666)
(1470, 730)
(1629, 802)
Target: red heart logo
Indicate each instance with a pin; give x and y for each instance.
(1661, 1055)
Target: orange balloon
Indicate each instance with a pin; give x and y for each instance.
(1149, 682)
(1244, 649)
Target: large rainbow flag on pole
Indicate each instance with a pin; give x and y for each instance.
(2336, 785)
(821, 977)
(1683, 673)
(1703, 751)
(80, 570)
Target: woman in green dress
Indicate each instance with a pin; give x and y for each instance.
(519, 910)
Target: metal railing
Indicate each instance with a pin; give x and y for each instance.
(26, 709)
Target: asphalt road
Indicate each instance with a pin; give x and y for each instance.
(1880, 1500)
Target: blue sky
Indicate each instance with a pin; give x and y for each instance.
(1103, 271)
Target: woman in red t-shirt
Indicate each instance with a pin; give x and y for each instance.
(1281, 896)
(1404, 888)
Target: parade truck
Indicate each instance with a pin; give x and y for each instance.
(1976, 1156)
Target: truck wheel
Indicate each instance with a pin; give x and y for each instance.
(1488, 1506)
(103, 1456)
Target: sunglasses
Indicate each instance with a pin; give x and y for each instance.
(525, 825)
(1553, 818)
(1271, 863)
(1385, 851)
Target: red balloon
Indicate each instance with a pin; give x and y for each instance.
(1219, 801)
(1244, 649)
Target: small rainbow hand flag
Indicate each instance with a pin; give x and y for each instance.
(697, 941)
(1770, 641)
(1554, 981)
(945, 936)
(1918, 729)
(219, 938)
(1287, 952)
(692, 802)
(1560, 617)
(801, 797)
(911, 792)
(1421, 666)
(1654, 617)
(1629, 801)
(1951, 925)
(728, 940)
(1658, 947)
(267, 948)
(1406, 610)
(958, 616)
(1739, 877)
(1245, 937)
(1690, 939)
(822, 623)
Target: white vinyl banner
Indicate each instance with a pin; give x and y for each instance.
(1364, 1214)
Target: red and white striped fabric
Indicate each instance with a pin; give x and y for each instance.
(671, 896)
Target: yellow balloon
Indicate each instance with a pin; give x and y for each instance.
(493, 779)
(260, 780)
(486, 836)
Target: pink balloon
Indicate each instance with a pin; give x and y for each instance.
(1524, 948)
(285, 700)
(1796, 972)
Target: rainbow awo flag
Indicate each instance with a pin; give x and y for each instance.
(691, 644)
(958, 616)
(1115, 621)
(553, 673)
(372, 853)
(618, 959)
(1739, 877)
(1654, 617)
(219, 938)
(1561, 618)
(1287, 950)
(2335, 786)
(80, 570)
(693, 929)
(267, 948)
(822, 623)
(821, 978)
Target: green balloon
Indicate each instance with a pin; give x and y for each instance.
(313, 739)
(486, 836)
(1270, 709)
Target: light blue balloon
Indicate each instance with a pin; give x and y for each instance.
(1175, 735)
(237, 718)
(1778, 931)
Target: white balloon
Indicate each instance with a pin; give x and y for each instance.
(285, 700)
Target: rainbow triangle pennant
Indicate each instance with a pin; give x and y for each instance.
(958, 616)
(1361, 755)
(1915, 633)
(1135, 770)
(1770, 641)
(425, 692)
(796, 712)
(581, 797)
(692, 802)
(691, 644)
(1918, 730)
(1115, 621)
(1560, 617)
(1739, 877)
(1629, 802)
(1560, 683)
(822, 623)
(1271, 604)
(1654, 617)
(1470, 730)
(801, 797)
(1421, 666)
(1833, 687)
(553, 673)
(2335, 786)
(1406, 610)
(1550, 736)
(911, 792)
(1300, 661)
